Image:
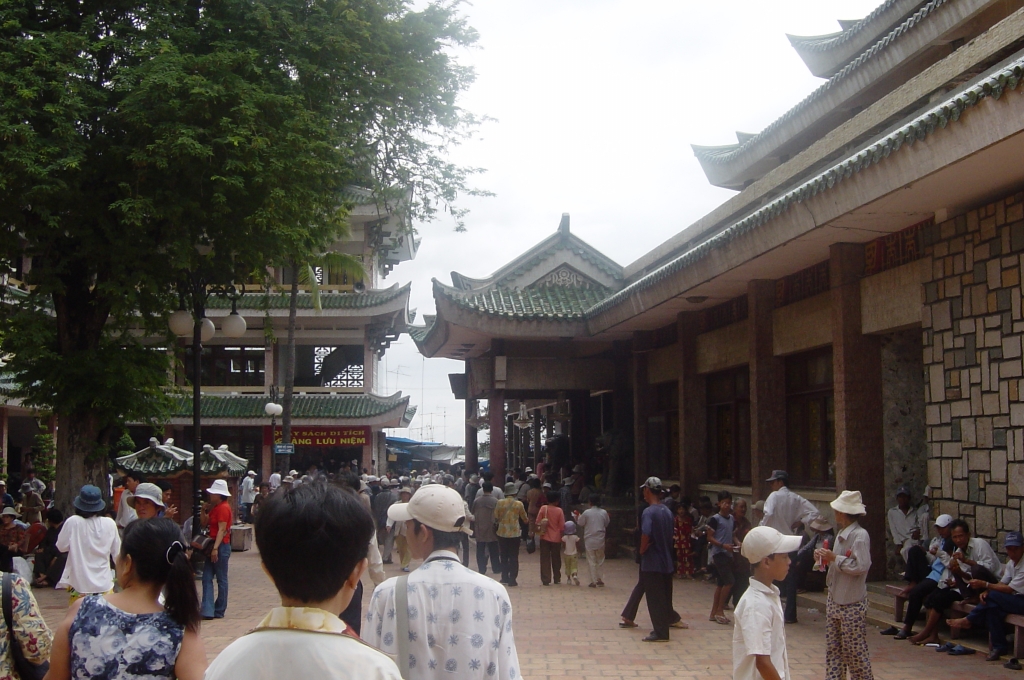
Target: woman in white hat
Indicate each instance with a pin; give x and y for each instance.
(217, 564)
(846, 643)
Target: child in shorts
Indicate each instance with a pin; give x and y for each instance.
(570, 554)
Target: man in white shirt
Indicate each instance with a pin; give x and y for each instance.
(594, 521)
(785, 511)
(313, 543)
(247, 495)
(759, 635)
(125, 513)
(275, 481)
(999, 599)
(904, 523)
(453, 621)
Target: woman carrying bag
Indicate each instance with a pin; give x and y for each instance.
(26, 640)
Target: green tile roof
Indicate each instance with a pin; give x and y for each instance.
(556, 303)
(168, 459)
(729, 153)
(303, 405)
(824, 43)
(328, 300)
(1008, 78)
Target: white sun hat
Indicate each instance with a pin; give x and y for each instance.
(219, 487)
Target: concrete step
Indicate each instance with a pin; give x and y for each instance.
(878, 587)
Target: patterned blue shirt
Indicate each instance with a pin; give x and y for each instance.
(460, 623)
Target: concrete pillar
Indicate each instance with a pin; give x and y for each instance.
(693, 418)
(578, 435)
(366, 461)
(269, 368)
(641, 406)
(510, 443)
(857, 379)
(767, 390)
(496, 414)
(472, 452)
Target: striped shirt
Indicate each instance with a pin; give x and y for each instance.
(847, 575)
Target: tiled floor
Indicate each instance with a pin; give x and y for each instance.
(572, 632)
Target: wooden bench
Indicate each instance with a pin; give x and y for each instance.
(957, 611)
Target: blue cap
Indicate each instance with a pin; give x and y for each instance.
(1013, 539)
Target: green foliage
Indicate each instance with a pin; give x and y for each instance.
(144, 143)
(44, 450)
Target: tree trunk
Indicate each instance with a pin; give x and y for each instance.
(289, 360)
(78, 460)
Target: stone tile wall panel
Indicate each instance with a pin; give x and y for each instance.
(972, 331)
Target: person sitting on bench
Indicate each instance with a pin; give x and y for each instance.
(973, 559)
(999, 599)
(939, 551)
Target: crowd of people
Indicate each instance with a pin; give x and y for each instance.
(141, 618)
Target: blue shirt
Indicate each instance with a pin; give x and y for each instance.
(723, 528)
(657, 524)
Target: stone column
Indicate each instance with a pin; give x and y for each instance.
(641, 399)
(366, 460)
(496, 415)
(857, 379)
(693, 418)
(767, 390)
(511, 445)
(472, 452)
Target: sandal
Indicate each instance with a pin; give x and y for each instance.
(679, 624)
(1013, 665)
(960, 650)
(722, 620)
(627, 624)
(945, 647)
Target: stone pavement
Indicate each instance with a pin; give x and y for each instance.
(570, 632)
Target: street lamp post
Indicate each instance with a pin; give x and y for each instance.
(272, 409)
(198, 290)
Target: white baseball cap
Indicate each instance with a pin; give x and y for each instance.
(436, 506)
(943, 521)
(760, 542)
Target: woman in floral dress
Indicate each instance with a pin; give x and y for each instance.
(681, 539)
(130, 634)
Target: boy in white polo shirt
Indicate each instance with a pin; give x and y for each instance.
(759, 635)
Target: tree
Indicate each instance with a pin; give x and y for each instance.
(146, 145)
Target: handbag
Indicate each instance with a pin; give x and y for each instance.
(531, 545)
(203, 543)
(542, 524)
(25, 668)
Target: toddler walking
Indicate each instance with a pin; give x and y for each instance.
(570, 556)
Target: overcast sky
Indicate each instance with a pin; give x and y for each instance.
(596, 103)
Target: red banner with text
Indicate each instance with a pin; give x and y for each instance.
(322, 436)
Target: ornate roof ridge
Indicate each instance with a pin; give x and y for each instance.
(365, 404)
(329, 299)
(722, 154)
(823, 43)
(551, 302)
(1009, 77)
(563, 239)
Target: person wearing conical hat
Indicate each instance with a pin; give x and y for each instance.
(846, 642)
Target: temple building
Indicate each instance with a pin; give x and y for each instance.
(852, 314)
(338, 413)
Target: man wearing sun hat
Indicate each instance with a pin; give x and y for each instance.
(217, 565)
(443, 616)
(846, 643)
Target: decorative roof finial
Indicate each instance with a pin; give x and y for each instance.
(563, 226)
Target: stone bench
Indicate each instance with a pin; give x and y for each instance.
(957, 611)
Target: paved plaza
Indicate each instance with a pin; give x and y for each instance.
(572, 632)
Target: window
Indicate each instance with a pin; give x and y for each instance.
(340, 366)
(728, 408)
(229, 366)
(810, 419)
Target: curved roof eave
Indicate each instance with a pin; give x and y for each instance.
(765, 142)
(1009, 77)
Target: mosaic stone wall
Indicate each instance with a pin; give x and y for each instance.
(972, 328)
